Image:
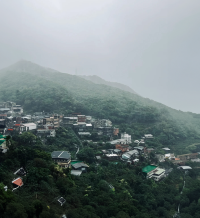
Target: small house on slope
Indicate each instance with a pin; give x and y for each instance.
(62, 158)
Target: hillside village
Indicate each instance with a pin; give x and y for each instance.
(121, 146)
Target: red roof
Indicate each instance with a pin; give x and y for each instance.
(18, 182)
(17, 124)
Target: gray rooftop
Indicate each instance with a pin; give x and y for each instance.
(4, 109)
(117, 150)
(76, 172)
(139, 147)
(61, 154)
(185, 167)
(117, 141)
(78, 165)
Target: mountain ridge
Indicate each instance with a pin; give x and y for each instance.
(98, 80)
(79, 87)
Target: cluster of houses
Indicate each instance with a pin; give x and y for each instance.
(42, 124)
(84, 125)
(12, 119)
(45, 124)
(125, 150)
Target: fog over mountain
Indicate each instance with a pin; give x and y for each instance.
(98, 80)
(151, 46)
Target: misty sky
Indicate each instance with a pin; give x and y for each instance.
(151, 45)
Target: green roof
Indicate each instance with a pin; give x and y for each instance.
(74, 162)
(148, 168)
(2, 136)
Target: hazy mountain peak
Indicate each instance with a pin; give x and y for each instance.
(99, 80)
(24, 66)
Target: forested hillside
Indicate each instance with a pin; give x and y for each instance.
(89, 196)
(98, 80)
(38, 88)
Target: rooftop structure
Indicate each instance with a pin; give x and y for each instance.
(61, 200)
(76, 172)
(169, 156)
(28, 126)
(157, 174)
(126, 156)
(81, 166)
(20, 172)
(17, 183)
(149, 168)
(185, 167)
(118, 141)
(166, 149)
(139, 148)
(63, 158)
(81, 118)
(111, 155)
(148, 136)
(60, 155)
(84, 133)
(154, 172)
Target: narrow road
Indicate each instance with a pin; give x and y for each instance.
(182, 192)
(77, 152)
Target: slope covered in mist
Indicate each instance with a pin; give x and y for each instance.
(38, 88)
(98, 80)
(17, 77)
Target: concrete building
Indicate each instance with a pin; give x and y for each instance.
(154, 172)
(17, 109)
(115, 131)
(126, 137)
(28, 127)
(81, 118)
(52, 121)
(70, 120)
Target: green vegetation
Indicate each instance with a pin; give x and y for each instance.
(90, 195)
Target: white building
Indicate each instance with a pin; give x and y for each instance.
(169, 156)
(158, 174)
(148, 136)
(28, 126)
(126, 137)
